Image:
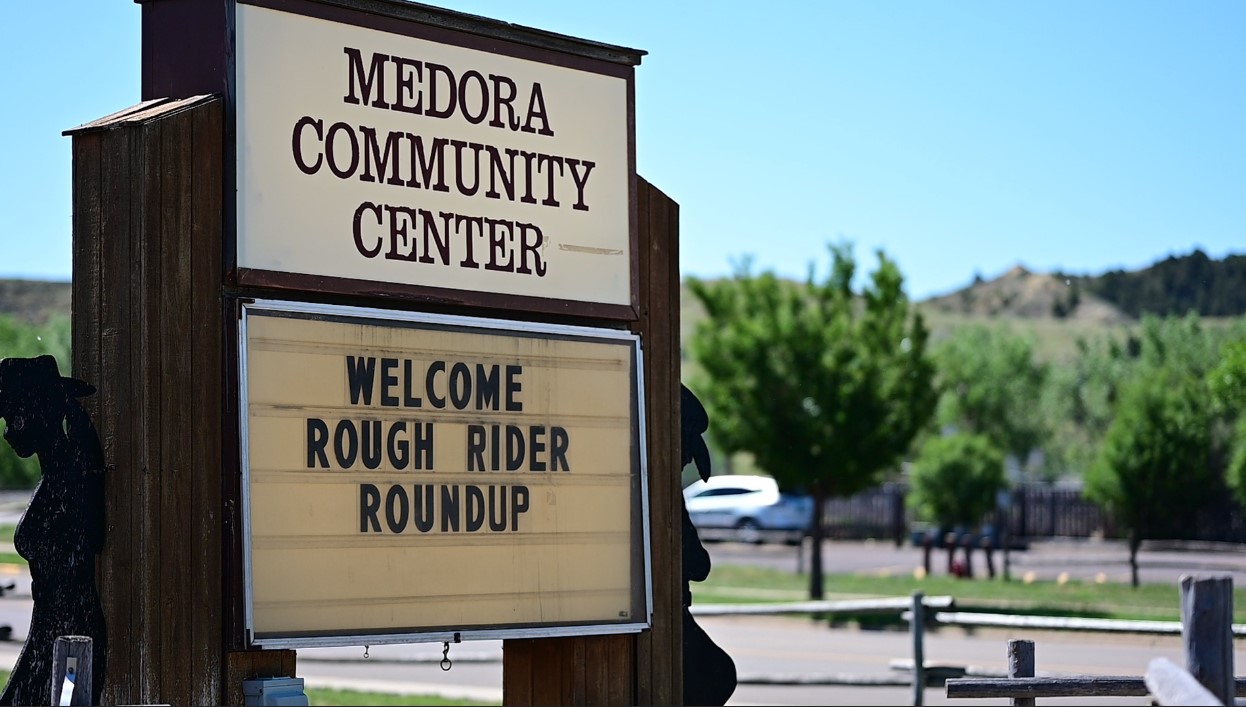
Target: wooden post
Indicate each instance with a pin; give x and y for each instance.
(966, 542)
(927, 545)
(897, 515)
(71, 658)
(1021, 665)
(1207, 632)
(1170, 684)
(917, 627)
(988, 549)
(148, 328)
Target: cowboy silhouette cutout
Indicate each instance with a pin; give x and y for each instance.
(62, 530)
(709, 673)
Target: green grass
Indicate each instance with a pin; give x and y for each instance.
(1157, 602)
(6, 536)
(325, 696)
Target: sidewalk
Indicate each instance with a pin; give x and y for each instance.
(312, 668)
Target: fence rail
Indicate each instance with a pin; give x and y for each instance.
(1205, 647)
(1036, 511)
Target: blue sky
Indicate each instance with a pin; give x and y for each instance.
(959, 137)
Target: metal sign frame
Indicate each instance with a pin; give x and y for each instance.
(639, 513)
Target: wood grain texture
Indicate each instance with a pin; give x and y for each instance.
(1207, 633)
(79, 649)
(1021, 665)
(172, 478)
(660, 652)
(1070, 686)
(148, 287)
(1171, 684)
(206, 386)
(247, 665)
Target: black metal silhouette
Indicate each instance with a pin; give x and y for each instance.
(709, 673)
(62, 530)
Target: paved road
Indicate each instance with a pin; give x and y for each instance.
(768, 646)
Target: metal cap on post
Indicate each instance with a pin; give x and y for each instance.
(71, 670)
(274, 691)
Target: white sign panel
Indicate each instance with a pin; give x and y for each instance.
(374, 156)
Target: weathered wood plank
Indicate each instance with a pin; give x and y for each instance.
(621, 679)
(517, 672)
(596, 670)
(233, 581)
(206, 344)
(1171, 684)
(72, 656)
(579, 672)
(121, 193)
(547, 660)
(149, 331)
(1064, 623)
(1206, 618)
(882, 605)
(665, 494)
(145, 348)
(917, 628)
(674, 504)
(649, 646)
(659, 653)
(245, 665)
(177, 575)
(1068, 686)
(837, 679)
(88, 218)
(1021, 665)
(85, 296)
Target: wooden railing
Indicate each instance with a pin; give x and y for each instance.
(1205, 627)
(1207, 634)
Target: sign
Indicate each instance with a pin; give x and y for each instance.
(414, 477)
(372, 150)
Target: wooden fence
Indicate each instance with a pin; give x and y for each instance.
(1206, 629)
(1037, 511)
(1207, 634)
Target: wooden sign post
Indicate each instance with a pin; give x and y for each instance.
(378, 281)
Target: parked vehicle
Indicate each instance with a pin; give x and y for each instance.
(747, 508)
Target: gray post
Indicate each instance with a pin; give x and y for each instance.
(1021, 665)
(71, 669)
(917, 626)
(1207, 632)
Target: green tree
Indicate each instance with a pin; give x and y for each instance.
(955, 480)
(1227, 385)
(826, 389)
(20, 340)
(1154, 472)
(990, 382)
(1082, 397)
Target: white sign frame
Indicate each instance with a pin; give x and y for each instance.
(640, 508)
(297, 226)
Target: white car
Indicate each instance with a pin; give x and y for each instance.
(746, 508)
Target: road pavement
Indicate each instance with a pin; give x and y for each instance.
(784, 646)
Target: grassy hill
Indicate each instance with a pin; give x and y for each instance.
(34, 301)
(1056, 309)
